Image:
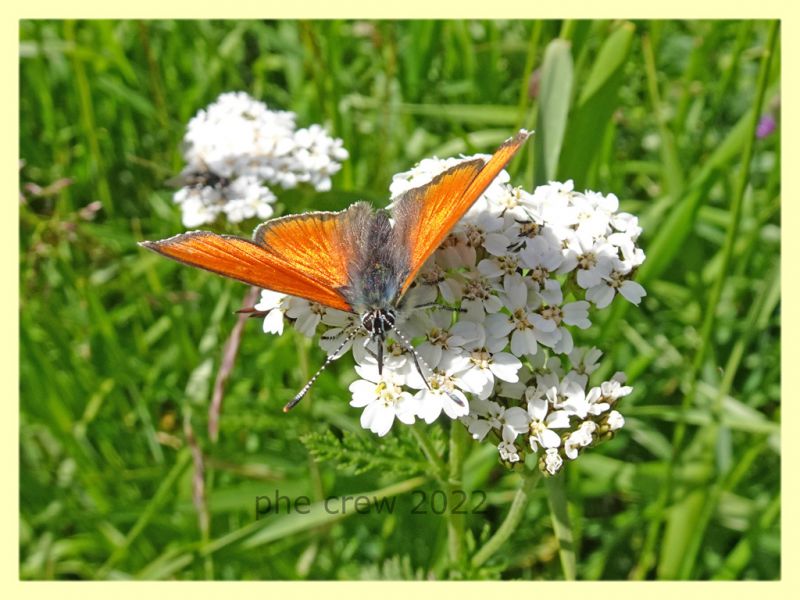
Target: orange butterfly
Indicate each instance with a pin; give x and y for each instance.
(352, 260)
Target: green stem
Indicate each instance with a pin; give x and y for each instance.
(449, 477)
(557, 500)
(439, 470)
(455, 521)
(514, 516)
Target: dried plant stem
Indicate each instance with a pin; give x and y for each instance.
(228, 361)
(199, 496)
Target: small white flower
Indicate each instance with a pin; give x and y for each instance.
(487, 363)
(483, 416)
(444, 393)
(307, 315)
(632, 256)
(342, 328)
(615, 420)
(490, 415)
(569, 395)
(507, 200)
(580, 438)
(247, 198)
(454, 253)
(499, 266)
(614, 389)
(584, 360)
(548, 371)
(477, 225)
(199, 205)
(591, 220)
(542, 255)
(434, 276)
(556, 202)
(441, 335)
(603, 292)
(479, 297)
(595, 401)
(526, 327)
(626, 223)
(594, 261)
(396, 358)
(507, 449)
(383, 400)
(552, 461)
(544, 421)
(274, 304)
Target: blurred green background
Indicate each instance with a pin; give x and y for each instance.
(120, 348)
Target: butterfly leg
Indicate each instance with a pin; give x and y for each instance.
(379, 357)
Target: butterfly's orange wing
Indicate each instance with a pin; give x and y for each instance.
(302, 255)
(321, 245)
(425, 215)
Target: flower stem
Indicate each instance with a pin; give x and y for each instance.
(448, 476)
(455, 520)
(514, 516)
(557, 500)
(439, 470)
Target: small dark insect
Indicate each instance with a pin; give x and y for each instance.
(198, 178)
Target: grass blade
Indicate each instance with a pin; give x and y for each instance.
(556, 89)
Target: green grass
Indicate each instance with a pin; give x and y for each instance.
(119, 348)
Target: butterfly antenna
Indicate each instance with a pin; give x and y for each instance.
(252, 312)
(331, 357)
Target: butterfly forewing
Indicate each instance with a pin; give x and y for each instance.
(250, 263)
(425, 215)
(320, 245)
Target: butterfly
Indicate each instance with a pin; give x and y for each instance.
(358, 260)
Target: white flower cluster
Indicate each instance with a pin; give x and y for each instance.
(236, 147)
(500, 298)
(552, 412)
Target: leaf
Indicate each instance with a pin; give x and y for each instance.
(556, 90)
(595, 107)
(682, 524)
(357, 454)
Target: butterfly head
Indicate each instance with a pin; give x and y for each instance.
(378, 321)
